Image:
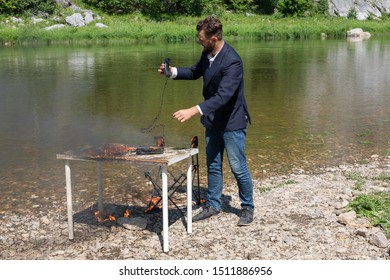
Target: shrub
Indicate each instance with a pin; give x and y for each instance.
(153, 8)
(321, 7)
(294, 7)
(266, 6)
(29, 7)
(241, 6)
(352, 13)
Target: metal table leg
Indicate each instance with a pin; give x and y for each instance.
(189, 195)
(69, 198)
(164, 178)
(100, 190)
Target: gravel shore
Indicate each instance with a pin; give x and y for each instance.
(297, 216)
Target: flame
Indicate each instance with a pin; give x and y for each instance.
(152, 203)
(111, 218)
(99, 218)
(126, 214)
(202, 201)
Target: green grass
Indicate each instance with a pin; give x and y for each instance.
(385, 177)
(137, 27)
(360, 180)
(375, 207)
(275, 185)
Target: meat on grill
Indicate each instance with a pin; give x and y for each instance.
(116, 150)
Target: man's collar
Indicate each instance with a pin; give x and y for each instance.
(210, 56)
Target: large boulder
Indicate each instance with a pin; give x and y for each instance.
(64, 3)
(358, 33)
(364, 8)
(75, 20)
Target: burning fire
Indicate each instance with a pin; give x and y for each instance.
(152, 204)
(202, 201)
(98, 216)
(100, 219)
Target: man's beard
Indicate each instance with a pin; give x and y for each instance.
(209, 48)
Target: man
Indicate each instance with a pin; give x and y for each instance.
(224, 114)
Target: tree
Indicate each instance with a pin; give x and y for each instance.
(294, 7)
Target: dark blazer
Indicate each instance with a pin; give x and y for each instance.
(224, 107)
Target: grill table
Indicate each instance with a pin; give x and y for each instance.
(168, 158)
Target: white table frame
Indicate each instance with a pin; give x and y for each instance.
(163, 161)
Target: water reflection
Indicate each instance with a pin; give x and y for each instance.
(313, 103)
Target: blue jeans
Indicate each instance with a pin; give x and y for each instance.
(234, 143)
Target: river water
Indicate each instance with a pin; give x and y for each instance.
(313, 103)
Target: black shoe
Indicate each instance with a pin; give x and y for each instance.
(246, 217)
(207, 212)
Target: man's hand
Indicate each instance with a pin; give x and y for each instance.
(161, 70)
(186, 114)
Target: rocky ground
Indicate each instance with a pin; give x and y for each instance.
(297, 216)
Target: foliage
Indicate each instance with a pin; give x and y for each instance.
(137, 27)
(302, 8)
(352, 13)
(165, 9)
(375, 207)
(29, 7)
(156, 9)
(321, 7)
(266, 7)
(242, 6)
(293, 7)
(216, 7)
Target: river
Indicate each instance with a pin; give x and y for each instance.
(313, 103)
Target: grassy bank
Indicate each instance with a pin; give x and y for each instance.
(139, 28)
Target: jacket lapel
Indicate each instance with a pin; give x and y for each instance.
(209, 73)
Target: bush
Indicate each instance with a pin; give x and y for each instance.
(321, 7)
(352, 13)
(266, 6)
(29, 7)
(242, 6)
(115, 6)
(294, 7)
(154, 8)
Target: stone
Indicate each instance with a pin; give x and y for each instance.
(64, 3)
(16, 20)
(133, 223)
(101, 25)
(55, 26)
(88, 17)
(358, 33)
(346, 218)
(363, 232)
(35, 20)
(342, 204)
(363, 8)
(288, 225)
(76, 20)
(379, 239)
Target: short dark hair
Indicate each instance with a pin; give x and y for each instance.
(211, 26)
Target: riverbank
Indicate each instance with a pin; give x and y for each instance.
(298, 216)
(137, 28)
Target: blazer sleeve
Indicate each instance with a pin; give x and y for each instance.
(195, 71)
